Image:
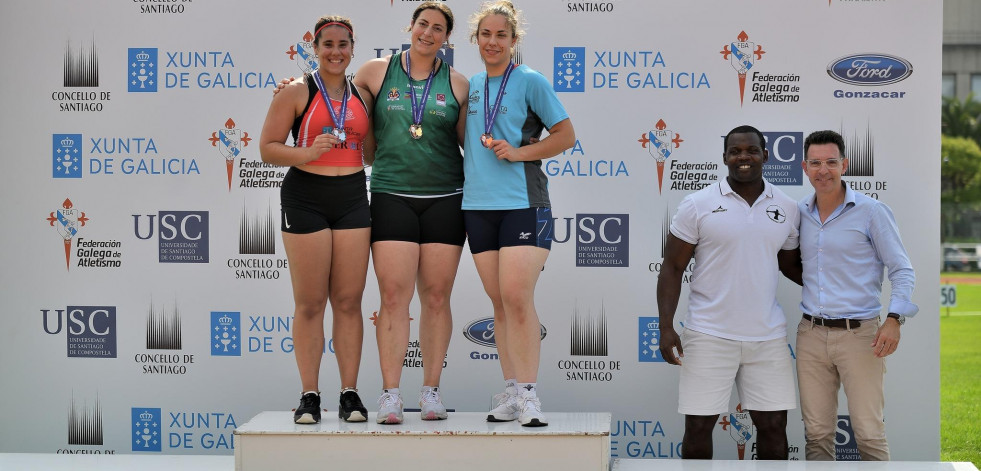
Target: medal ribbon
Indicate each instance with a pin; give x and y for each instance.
(418, 109)
(491, 114)
(338, 122)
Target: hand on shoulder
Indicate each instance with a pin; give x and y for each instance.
(288, 83)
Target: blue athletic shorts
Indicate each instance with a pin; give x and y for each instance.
(493, 229)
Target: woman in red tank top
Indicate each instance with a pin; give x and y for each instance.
(325, 215)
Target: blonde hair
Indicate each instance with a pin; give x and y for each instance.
(505, 8)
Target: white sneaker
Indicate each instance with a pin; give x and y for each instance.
(531, 412)
(431, 405)
(389, 409)
(508, 406)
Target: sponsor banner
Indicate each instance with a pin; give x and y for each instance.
(153, 69)
(90, 331)
(155, 264)
(182, 236)
(662, 143)
(649, 340)
(739, 425)
(256, 247)
(164, 335)
(481, 332)
(270, 334)
(846, 448)
(156, 430)
(66, 156)
(765, 86)
(870, 70)
(86, 433)
(589, 7)
(80, 92)
(575, 162)
(88, 252)
(226, 338)
(860, 151)
(589, 337)
(786, 153)
(602, 240)
(578, 69)
(146, 428)
(115, 156)
(643, 438)
(413, 356)
(231, 143)
(163, 7)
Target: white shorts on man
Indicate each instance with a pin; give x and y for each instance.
(762, 372)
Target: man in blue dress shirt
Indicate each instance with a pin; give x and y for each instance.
(846, 240)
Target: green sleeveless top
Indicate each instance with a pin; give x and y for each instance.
(431, 165)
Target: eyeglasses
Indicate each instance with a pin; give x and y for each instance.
(832, 164)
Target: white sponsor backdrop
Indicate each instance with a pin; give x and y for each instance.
(83, 365)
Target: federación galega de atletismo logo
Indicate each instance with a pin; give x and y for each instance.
(230, 142)
(660, 142)
(67, 221)
(742, 54)
(740, 427)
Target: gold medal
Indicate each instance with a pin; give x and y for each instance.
(415, 131)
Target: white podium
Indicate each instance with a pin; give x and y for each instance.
(465, 441)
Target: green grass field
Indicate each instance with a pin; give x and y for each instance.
(960, 375)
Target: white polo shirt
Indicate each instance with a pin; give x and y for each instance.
(734, 282)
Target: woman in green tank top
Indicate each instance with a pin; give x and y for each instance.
(416, 185)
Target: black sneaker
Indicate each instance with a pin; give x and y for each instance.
(309, 410)
(351, 409)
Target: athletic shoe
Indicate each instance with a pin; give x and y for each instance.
(389, 409)
(431, 405)
(531, 412)
(309, 410)
(508, 406)
(351, 409)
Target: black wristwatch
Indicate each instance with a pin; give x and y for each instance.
(900, 319)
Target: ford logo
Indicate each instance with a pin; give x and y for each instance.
(870, 69)
(481, 332)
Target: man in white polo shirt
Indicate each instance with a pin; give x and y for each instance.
(740, 231)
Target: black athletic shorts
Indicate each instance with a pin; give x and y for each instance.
(312, 202)
(493, 229)
(436, 220)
